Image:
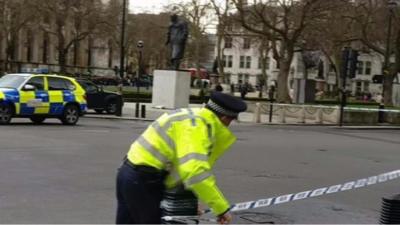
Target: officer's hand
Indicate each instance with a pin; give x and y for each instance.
(200, 210)
(225, 218)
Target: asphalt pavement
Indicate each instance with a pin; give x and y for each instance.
(58, 174)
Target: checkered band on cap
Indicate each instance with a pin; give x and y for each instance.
(217, 108)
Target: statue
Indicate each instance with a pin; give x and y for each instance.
(177, 36)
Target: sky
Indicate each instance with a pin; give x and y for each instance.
(156, 6)
(151, 6)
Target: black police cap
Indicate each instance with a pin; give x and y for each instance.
(226, 104)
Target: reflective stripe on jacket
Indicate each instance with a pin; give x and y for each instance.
(187, 143)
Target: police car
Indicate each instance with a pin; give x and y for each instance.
(41, 96)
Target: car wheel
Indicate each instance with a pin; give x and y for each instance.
(5, 113)
(112, 106)
(100, 111)
(70, 115)
(38, 119)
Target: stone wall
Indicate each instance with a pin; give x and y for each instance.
(323, 114)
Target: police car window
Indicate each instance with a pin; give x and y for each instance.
(59, 84)
(37, 82)
(69, 84)
(12, 81)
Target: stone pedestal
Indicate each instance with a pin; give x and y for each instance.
(303, 91)
(171, 89)
(396, 94)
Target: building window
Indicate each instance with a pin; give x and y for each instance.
(245, 62)
(260, 61)
(246, 43)
(246, 78)
(368, 66)
(230, 61)
(360, 67)
(228, 42)
(227, 78)
(366, 86)
(242, 61)
(248, 62)
(358, 87)
(224, 61)
(240, 77)
(227, 61)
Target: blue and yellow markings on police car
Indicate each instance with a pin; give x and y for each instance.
(44, 103)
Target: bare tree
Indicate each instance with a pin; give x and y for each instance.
(264, 49)
(372, 18)
(15, 15)
(152, 29)
(69, 21)
(331, 34)
(285, 22)
(222, 10)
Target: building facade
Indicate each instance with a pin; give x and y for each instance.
(242, 63)
(36, 50)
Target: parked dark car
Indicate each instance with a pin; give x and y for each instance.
(100, 100)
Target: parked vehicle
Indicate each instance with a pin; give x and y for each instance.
(100, 100)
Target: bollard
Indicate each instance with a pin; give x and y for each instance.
(137, 110)
(303, 114)
(179, 202)
(338, 114)
(143, 114)
(318, 117)
(282, 118)
(257, 113)
(271, 111)
(390, 213)
(381, 114)
(118, 112)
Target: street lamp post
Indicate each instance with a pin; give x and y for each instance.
(122, 50)
(122, 58)
(140, 45)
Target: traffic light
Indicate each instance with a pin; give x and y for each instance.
(345, 62)
(353, 63)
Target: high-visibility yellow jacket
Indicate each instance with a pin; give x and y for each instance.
(186, 143)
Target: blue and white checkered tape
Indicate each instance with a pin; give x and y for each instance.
(351, 185)
(364, 182)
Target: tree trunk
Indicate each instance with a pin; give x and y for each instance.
(11, 52)
(62, 60)
(197, 57)
(220, 55)
(388, 89)
(263, 51)
(283, 92)
(62, 53)
(389, 78)
(8, 57)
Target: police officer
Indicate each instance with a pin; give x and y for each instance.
(178, 148)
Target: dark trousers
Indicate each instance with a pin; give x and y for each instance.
(139, 194)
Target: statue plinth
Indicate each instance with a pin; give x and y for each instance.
(171, 89)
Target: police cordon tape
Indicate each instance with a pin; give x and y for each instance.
(351, 185)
